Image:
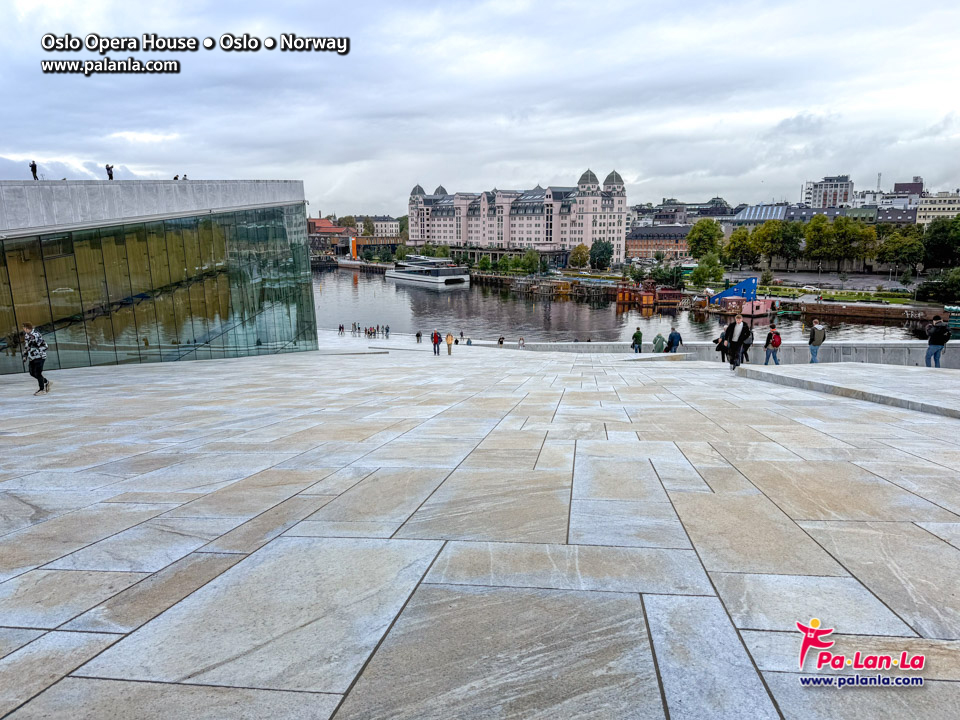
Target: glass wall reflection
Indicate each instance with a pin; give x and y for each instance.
(211, 286)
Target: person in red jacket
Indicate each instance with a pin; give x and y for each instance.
(435, 339)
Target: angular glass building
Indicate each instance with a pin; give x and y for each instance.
(154, 271)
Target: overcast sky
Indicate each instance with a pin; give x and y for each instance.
(688, 100)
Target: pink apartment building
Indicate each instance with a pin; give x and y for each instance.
(552, 218)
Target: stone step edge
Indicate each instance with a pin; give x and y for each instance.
(843, 391)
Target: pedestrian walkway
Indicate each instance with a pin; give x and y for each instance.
(486, 535)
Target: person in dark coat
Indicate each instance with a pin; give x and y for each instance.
(734, 338)
(109, 169)
(33, 169)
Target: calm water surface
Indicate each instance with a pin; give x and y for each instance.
(347, 296)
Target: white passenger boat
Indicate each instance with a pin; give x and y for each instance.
(430, 271)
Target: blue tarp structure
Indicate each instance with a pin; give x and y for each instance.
(746, 289)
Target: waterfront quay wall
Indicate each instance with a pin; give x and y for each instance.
(893, 352)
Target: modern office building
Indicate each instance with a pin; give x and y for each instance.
(543, 219)
(940, 205)
(154, 271)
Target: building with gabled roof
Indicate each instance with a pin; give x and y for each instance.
(543, 219)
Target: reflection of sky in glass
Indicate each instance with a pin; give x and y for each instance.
(223, 285)
(485, 313)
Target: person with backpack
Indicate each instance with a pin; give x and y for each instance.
(35, 355)
(938, 334)
(637, 341)
(435, 339)
(818, 333)
(735, 337)
(772, 346)
(449, 344)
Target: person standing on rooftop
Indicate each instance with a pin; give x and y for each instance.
(938, 334)
(818, 333)
(674, 340)
(109, 169)
(772, 346)
(33, 169)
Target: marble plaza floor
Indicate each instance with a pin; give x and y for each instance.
(492, 534)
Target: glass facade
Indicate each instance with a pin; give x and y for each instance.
(192, 288)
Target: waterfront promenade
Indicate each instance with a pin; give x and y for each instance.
(372, 532)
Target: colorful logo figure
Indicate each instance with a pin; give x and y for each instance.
(812, 637)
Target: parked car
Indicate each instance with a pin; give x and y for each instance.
(810, 288)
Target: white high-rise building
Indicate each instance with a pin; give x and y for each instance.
(552, 218)
(832, 191)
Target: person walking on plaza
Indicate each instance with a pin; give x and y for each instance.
(735, 336)
(818, 333)
(461, 335)
(109, 169)
(33, 169)
(637, 341)
(521, 344)
(449, 344)
(721, 347)
(673, 340)
(419, 335)
(747, 344)
(659, 343)
(500, 341)
(435, 339)
(938, 334)
(35, 355)
(772, 346)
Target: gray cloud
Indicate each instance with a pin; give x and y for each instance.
(743, 99)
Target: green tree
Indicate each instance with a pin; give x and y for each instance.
(842, 277)
(504, 264)
(659, 256)
(900, 249)
(580, 256)
(766, 277)
(531, 261)
(601, 252)
(766, 239)
(791, 242)
(852, 240)
(404, 224)
(742, 248)
(368, 227)
(402, 252)
(348, 221)
(942, 243)
(516, 263)
(368, 254)
(707, 271)
(443, 251)
(484, 263)
(544, 265)
(704, 237)
(907, 278)
(638, 274)
(820, 239)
